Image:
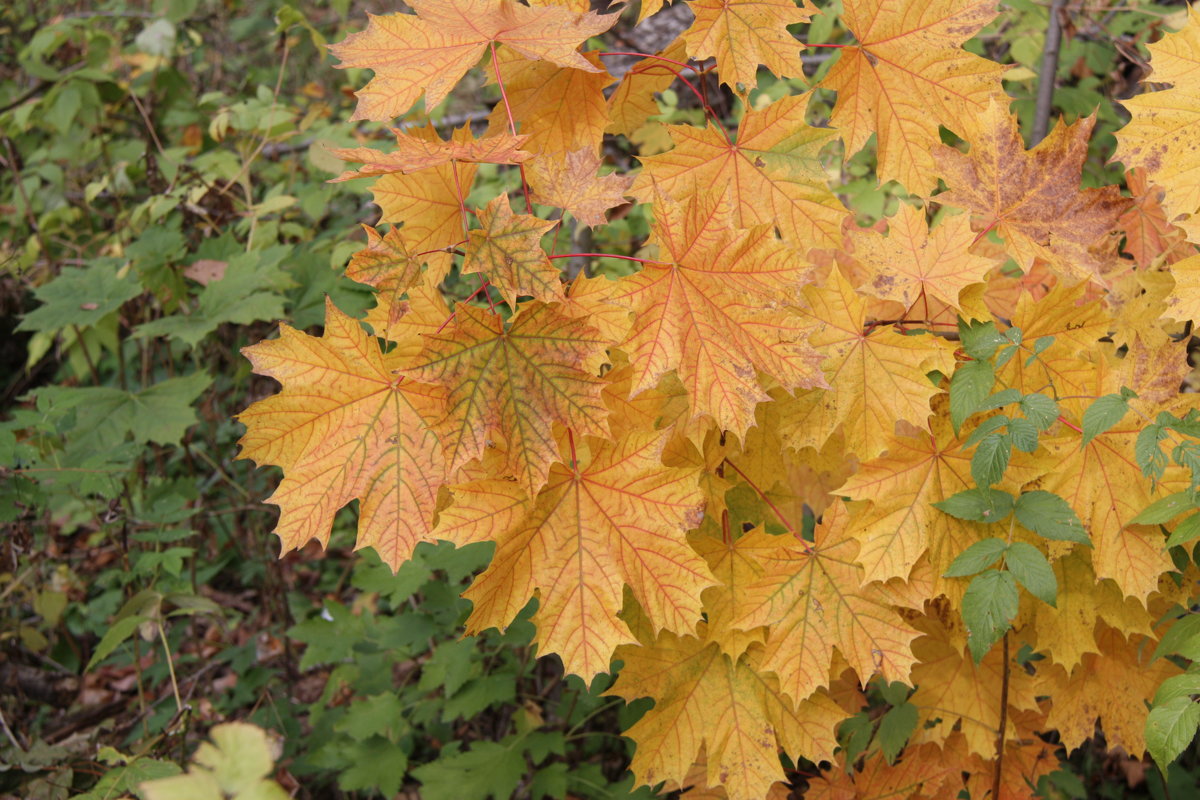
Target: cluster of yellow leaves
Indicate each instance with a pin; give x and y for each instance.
(642, 450)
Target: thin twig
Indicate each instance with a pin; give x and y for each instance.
(1003, 724)
(1045, 95)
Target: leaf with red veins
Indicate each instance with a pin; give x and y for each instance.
(742, 34)
(428, 53)
(714, 312)
(517, 381)
(571, 182)
(415, 153)
(507, 249)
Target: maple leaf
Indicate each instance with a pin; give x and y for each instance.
(507, 249)
(571, 183)
(907, 75)
(910, 262)
(877, 376)
(517, 381)
(387, 265)
(428, 204)
(632, 102)
(1066, 630)
(953, 692)
(1113, 685)
(705, 699)
(430, 52)
(816, 600)
(918, 469)
(617, 519)
(922, 771)
(1148, 233)
(415, 153)
(1160, 136)
(346, 427)
(560, 109)
(772, 172)
(742, 34)
(1184, 300)
(713, 312)
(1028, 197)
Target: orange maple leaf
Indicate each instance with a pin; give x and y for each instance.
(515, 380)
(705, 699)
(741, 34)
(911, 261)
(713, 312)
(507, 249)
(571, 182)
(430, 52)
(907, 75)
(772, 172)
(616, 519)
(816, 600)
(632, 103)
(415, 153)
(387, 265)
(346, 427)
(877, 376)
(1030, 197)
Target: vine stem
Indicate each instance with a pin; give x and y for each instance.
(512, 125)
(1003, 723)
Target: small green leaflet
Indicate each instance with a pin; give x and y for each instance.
(1050, 517)
(991, 459)
(1170, 728)
(1039, 346)
(1039, 409)
(979, 339)
(81, 297)
(978, 505)
(1185, 531)
(1031, 568)
(977, 558)
(970, 386)
(1182, 639)
(1166, 509)
(1104, 413)
(988, 426)
(988, 607)
(894, 729)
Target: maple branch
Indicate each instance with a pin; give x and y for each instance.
(512, 125)
(1046, 81)
(1003, 723)
(609, 255)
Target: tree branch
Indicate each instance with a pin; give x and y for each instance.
(1045, 95)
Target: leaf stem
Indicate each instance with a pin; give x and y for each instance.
(512, 125)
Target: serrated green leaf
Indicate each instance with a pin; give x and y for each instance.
(978, 505)
(81, 297)
(894, 729)
(991, 459)
(1024, 435)
(1166, 509)
(1185, 531)
(988, 426)
(1000, 398)
(1005, 355)
(1175, 686)
(1182, 638)
(971, 383)
(1050, 517)
(1102, 414)
(988, 607)
(1039, 409)
(1029, 566)
(976, 558)
(488, 769)
(1147, 452)
(1170, 728)
(979, 339)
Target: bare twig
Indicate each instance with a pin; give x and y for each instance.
(1003, 724)
(1045, 95)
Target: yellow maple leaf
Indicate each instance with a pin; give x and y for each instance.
(816, 601)
(705, 699)
(911, 261)
(1160, 136)
(560, 109)
(415, 153)
(507, 250)
(571, 182)
(632, 103)
(772, 172)
(617, 519)
(516, 380)
(346, 427)
(907, 75)
(877, 376)
(713, 311)
(1030, 197)
(922, 771)
(742, 34)
(387, 265)
(428, 53)
(430, 203)
(1112, 686)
